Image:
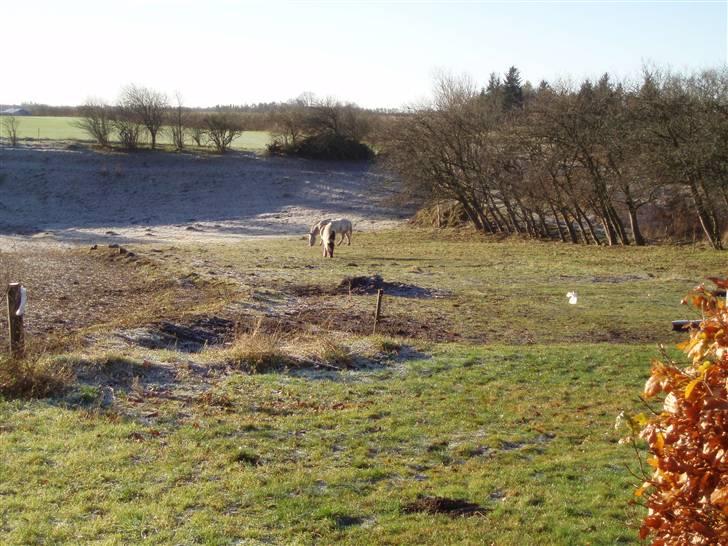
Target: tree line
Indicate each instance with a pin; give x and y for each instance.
(310, 126)
(143, 112)
(590, 163)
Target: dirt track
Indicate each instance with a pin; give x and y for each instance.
(76, 196)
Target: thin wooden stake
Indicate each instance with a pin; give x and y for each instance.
(379, 309)
(15, 322)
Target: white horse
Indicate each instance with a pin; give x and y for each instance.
(316, 229)
(328, 238)
(340, 225)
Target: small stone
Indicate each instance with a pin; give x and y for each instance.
(107, 397)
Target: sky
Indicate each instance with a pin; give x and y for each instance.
(378, 54)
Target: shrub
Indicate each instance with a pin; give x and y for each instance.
(324, 146)
(332, 146)
(129, 132)
(687, 492)
(321, 129)
(221, 128)
(96, 121)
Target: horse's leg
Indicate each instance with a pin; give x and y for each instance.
(348, 237)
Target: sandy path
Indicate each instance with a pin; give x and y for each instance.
(66, 197)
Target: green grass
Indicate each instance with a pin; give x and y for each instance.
(517, 418)
(525, 433)
(62, 128)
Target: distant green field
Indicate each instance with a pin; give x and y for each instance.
(62, 128)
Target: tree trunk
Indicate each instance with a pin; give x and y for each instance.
(497, 214)
(706, 222)
(639, 240)
(562, 237)
(582, 216)
(618, 225)
(580, 225)
(570, 227)
(512, 216)
(544, 227)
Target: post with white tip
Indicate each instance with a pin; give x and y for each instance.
(16, 309)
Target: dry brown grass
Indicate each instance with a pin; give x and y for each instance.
(33, 377)
(331, 352)
(257, 351)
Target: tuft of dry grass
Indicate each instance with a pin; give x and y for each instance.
(386, 345)
(331, 352)
(256, 352)
(33, 377)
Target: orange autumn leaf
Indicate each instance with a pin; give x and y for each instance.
(691, 387)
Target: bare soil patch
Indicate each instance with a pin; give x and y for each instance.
(444, 505)
(355, 315)
(192, 337)
(69, 290)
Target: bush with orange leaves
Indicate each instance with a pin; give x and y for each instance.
(687, 491)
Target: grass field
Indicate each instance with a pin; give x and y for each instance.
(515, 415)
(62, 128)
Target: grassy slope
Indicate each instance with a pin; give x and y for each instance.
(525, 431)
(62, 128)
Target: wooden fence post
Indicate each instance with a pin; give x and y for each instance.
(379, 309)
(15, 321)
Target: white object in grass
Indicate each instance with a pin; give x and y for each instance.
(572, 297)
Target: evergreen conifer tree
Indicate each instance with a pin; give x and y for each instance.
(512, 90)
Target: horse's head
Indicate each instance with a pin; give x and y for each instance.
(311, 238)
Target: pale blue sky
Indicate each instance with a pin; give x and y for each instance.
(378, 54)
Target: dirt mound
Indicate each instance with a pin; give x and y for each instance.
(365, 285)
(443, 505)
(371, 284)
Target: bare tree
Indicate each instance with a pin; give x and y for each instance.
(221, 129)
(289, 122)
(11, 125)
(179, 116)
(682, 117)
(96, 120)
(329, 116)
(128, 126)
(578, 163)
(148, 105)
